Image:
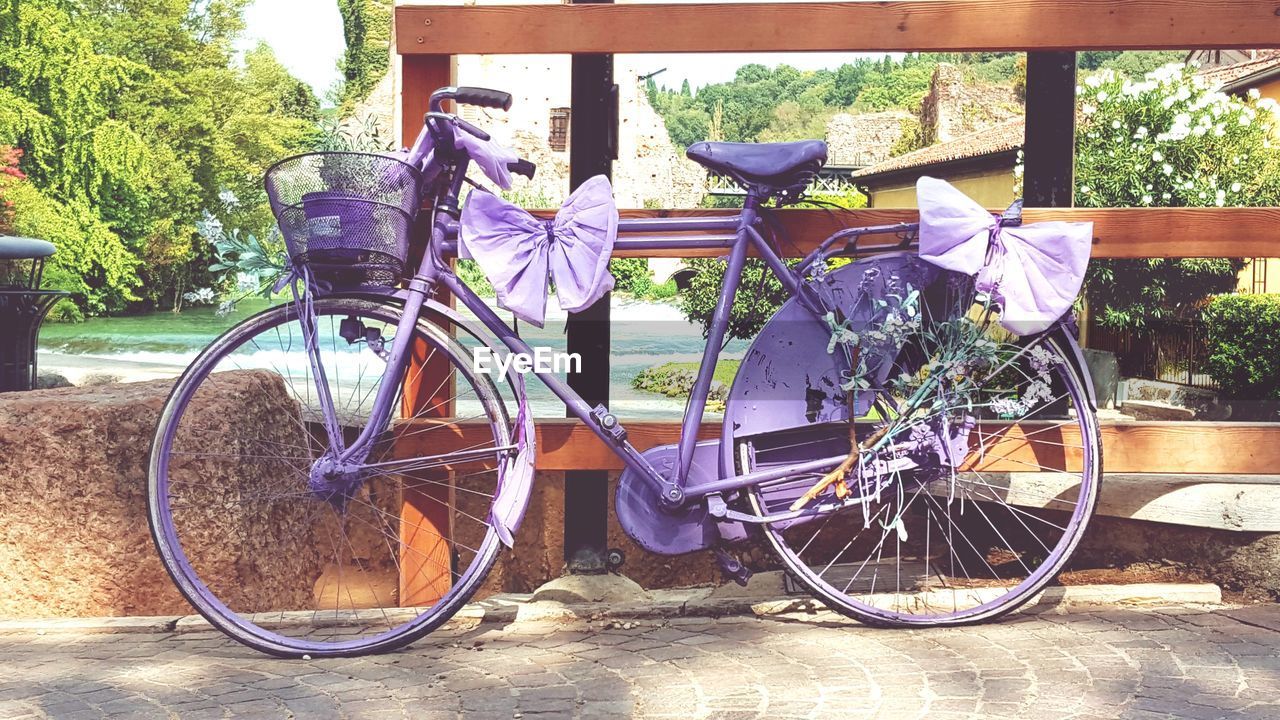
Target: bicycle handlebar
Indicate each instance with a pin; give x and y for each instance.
(482, 97)
(440, 126)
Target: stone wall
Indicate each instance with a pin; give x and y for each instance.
(74, 538)
(955, 107)
(649, 169)
(864, 139)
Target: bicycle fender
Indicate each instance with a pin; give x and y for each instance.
(515, 484)
(1065, 332)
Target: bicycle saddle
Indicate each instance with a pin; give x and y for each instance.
(773, 167)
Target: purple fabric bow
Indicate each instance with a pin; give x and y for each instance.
(516, 249)
(1033, 271)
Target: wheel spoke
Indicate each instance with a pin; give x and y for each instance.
(939, 543)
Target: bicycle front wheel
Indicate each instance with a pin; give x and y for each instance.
(293, 561)
(999, 478)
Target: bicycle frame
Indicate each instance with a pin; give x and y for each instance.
(736, 233)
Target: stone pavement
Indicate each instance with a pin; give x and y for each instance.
(1175, 662)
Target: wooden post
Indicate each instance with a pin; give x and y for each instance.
(593, 128)
(425, 522)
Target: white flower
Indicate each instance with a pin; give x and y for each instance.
(1235, 187)
(228, 198)
(1006, 407)
(1115, 124)
(1088, 109)
(1146, 199)
(1103, 95)
(1254, 94)
(1167, 168)
(203, 296)
(1157, 156)
(209, 227)
(1093, 81)
(1084, 190)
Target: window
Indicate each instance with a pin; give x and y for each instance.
(559, 137)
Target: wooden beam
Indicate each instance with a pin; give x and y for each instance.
(1118, 232)
(894, 25)
(1135, 447)
(1244, 503)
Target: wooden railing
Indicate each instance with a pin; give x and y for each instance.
(428, 37)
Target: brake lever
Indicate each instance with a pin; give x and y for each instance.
(460, 123)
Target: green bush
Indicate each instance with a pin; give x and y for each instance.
(631, 275)
(92, 263)
(1243, 335)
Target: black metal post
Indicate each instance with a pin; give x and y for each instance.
(1048, 147)
(1048, 178)
(593, 132)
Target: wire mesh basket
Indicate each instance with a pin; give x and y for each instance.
(346, 215)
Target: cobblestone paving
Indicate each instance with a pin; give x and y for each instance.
(1119, 663)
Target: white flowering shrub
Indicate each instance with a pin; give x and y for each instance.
(1169, 140)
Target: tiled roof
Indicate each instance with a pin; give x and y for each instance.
(1227, 75)
(999, 138)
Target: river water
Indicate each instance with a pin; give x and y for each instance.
(159, 345)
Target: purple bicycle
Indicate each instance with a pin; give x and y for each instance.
(913, 434)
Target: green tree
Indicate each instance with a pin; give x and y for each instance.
(901, 87)
(136, 120)
(1168, 140)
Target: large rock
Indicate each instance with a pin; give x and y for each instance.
(73, 510)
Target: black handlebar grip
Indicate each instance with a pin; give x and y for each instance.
(523, 167)
(483, 97)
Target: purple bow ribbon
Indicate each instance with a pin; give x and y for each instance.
(1034, 271)
(515, 249)
(494, 160)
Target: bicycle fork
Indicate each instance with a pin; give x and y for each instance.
(336, 475)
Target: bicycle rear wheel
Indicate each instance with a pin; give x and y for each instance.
(948, 542)
(290, 561)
